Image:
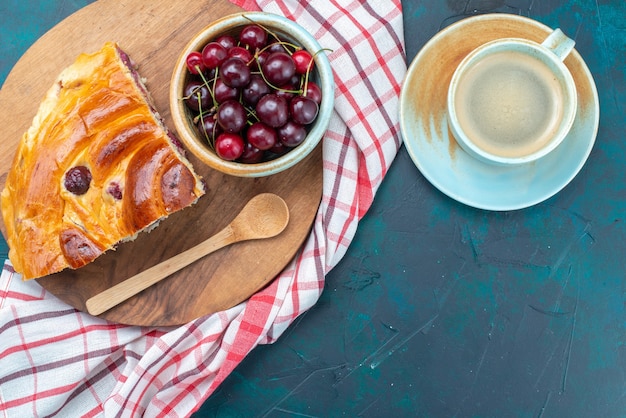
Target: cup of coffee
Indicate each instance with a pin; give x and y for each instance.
(512, 101)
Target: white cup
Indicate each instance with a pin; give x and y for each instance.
(512, 101)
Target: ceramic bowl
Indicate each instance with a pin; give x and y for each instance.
(286, 30)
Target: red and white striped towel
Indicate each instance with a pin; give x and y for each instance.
(54, 359)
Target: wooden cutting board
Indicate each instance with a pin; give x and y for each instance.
(153, 32)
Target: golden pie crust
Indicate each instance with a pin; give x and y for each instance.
(97, 115)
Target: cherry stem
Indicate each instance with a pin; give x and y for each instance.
(275, 87)
(206, 83)
(310, 67)
(264, 28)
(251, 112)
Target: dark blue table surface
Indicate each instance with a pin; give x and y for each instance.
(439, 309)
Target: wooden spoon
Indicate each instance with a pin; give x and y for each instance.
(264, 216)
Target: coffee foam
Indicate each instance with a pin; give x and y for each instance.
(509, 104)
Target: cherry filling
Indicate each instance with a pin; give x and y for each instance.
(115, 190)
(78, 180)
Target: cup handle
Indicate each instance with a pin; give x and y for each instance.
(559, 44)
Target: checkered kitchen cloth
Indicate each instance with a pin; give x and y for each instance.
(56, 360)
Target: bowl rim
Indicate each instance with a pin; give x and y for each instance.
(317, 130)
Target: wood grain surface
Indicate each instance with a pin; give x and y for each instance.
(153, 32)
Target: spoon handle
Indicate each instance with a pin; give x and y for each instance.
(117, 294)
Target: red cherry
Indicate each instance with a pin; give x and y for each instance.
(278, 68)
(194, 63)
(302, 59)
(313, 92)
(279, 149)
(257, 64)
(231, 115)
(227, 41)
(261, 136)
(303, 110)
(273, 110)
(209, 128)
(240, 52)
(213, 54)
(291, 134)
(253, 36)
(251, 154)
(235, 72)
(229, 146)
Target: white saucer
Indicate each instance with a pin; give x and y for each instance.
(423, 122)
